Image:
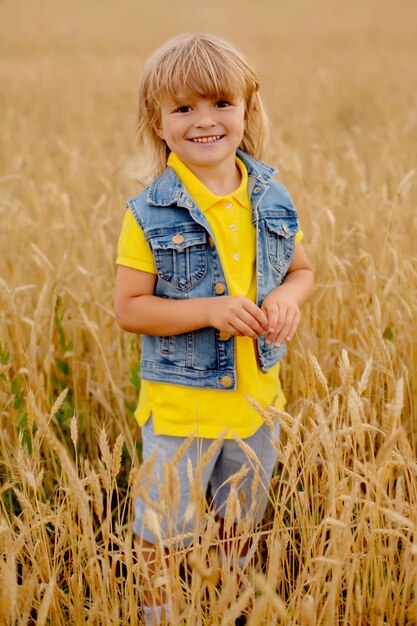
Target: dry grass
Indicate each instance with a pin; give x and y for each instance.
(338, 544)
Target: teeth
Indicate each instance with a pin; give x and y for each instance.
(206, 139)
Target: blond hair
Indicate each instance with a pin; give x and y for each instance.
(206, 66)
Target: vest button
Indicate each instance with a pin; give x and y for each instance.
(177, 238)
(226, 381)
(211, 242)
(224, 336)
(284, 228)
(219, 288)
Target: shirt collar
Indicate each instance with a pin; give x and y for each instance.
(202, 196)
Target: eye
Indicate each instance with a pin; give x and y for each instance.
(222, 104)
(184, 108)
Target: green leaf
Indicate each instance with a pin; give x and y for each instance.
(130, 406)
(389, 333)
(63, 366)
(4, 356)
(18, 401)
(69, 346)
(22, 420)
(16, 387)
(135, 376)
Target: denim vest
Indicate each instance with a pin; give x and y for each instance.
(189, 266)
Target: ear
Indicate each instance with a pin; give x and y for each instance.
(158, 129)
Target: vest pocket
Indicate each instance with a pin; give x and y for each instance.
(166, 344)
(280, 236)
(180, 257)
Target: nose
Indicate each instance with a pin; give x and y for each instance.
(204, 118)
(204, 122)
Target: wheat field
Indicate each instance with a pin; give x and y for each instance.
(338, 544)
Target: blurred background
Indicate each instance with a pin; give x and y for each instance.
(339, 81)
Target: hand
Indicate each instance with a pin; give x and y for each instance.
(283, 316)
(237, 316)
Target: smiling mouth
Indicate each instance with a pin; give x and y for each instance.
(210, 139)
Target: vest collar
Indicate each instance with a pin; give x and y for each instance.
(167, 189)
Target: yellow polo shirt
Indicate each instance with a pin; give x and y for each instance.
(182, 411)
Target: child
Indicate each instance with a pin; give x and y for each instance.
(210, 272)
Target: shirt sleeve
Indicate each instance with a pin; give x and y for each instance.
(299, 234)
(132, 248)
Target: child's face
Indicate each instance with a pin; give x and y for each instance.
(203, 132)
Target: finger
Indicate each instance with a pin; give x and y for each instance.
(244, 328)
(282, 319)
(249, 319)
(273, 314)
(285, 329)
(258, 314)
(232, 330)
(294, 326)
